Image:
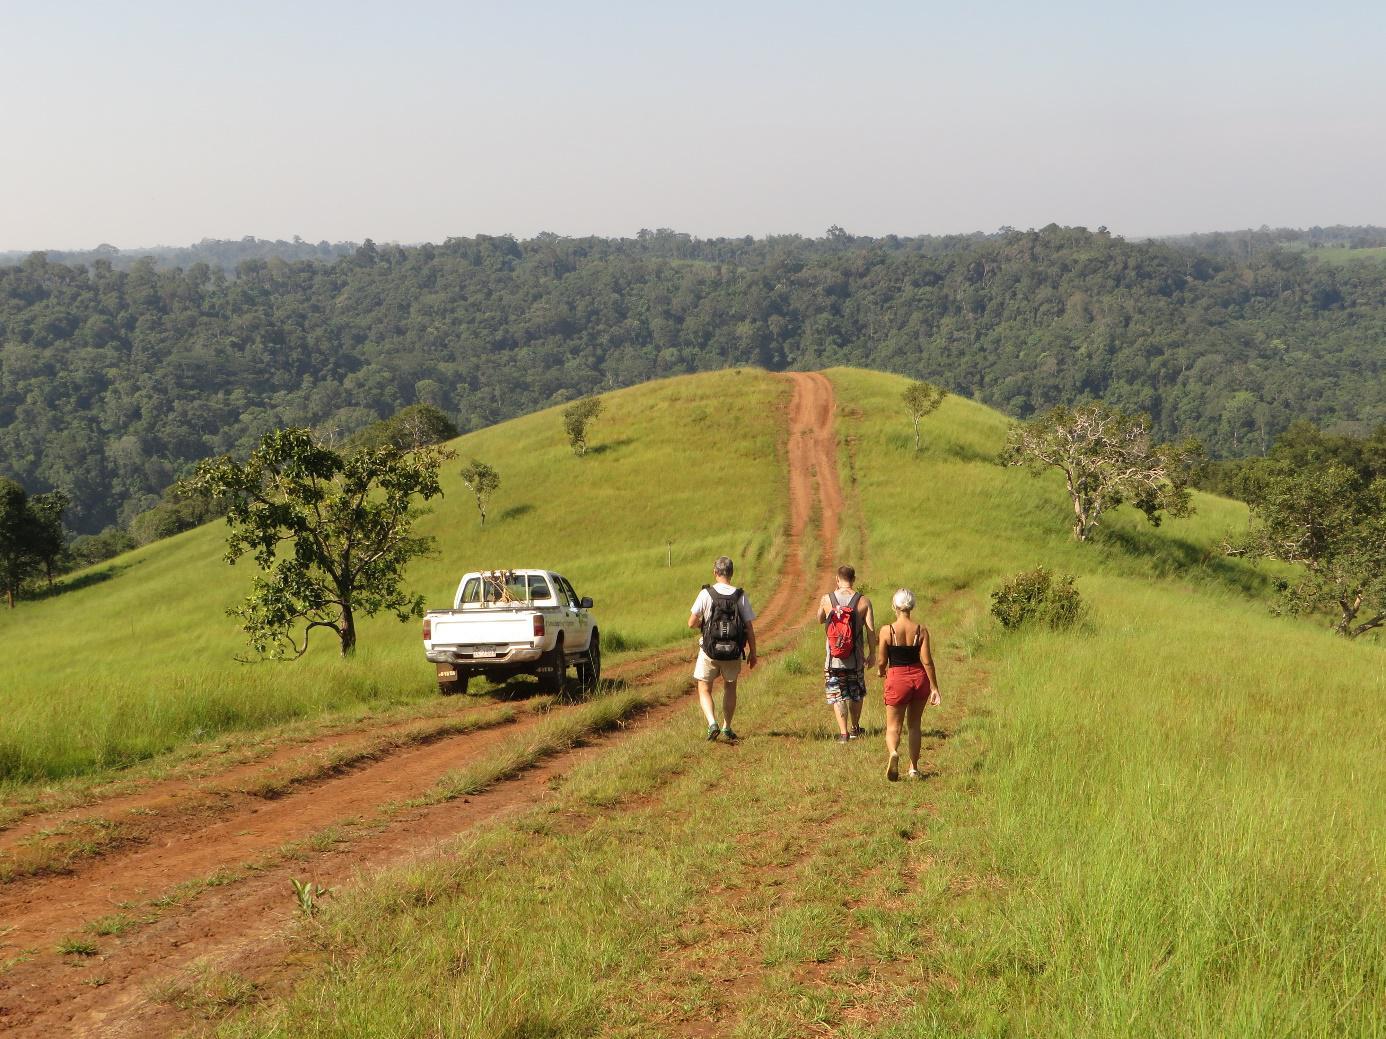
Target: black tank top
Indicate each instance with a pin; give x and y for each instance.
(903, 656)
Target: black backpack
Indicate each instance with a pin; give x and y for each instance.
(724, 632)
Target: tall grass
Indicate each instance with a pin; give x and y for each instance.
(1169, 823)
(1182, 804)
(142, 660)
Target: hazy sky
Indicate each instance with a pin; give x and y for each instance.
(140, 123)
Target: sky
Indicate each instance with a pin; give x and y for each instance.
(152, 123)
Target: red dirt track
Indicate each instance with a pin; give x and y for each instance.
(188, 830)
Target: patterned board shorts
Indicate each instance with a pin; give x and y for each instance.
(844, 686)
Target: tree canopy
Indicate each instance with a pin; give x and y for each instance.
(115, 382)
(331, 534)
(1107, 458)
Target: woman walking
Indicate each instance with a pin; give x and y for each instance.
(907, 665)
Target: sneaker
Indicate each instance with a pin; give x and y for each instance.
(858, 732)
(893, 768)
(854, 734)
(916, 774)
(842, 737)
(728, 735)
(713, 731)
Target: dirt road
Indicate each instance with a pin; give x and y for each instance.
(187, 831)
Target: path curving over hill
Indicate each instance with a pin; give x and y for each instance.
(209, 827)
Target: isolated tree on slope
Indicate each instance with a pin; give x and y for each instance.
(331, 534)
(1331, 520)
(577, 416)
(16, 532)
(1107, 458)
(46, 539)
(483, 481)
(921, 399)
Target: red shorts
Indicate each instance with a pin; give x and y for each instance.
(906, 685)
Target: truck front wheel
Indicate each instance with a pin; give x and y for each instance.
(589, 669)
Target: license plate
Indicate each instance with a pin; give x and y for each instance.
(485, 653)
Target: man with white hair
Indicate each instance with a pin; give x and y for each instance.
(850, 627)
(724, 615)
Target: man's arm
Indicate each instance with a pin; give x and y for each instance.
(823, 610)
(695, 620)
(750, 646)
(868, 621)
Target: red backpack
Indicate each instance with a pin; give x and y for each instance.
(842, 628)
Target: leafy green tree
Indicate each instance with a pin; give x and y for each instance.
(16, 535)
(47, 539)
(331, 534)
(1330, 520)
(483, 481)
(577, 416)
(922, 399)
(1107, 457)
(414, 426)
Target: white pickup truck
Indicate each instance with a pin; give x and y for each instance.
(514, 622)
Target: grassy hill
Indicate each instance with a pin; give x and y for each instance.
(1169, 822)
(138, 657)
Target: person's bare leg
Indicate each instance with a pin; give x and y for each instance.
(844, 715)
(728, 702)
(895, 717)
(705, 698)
(857, 705)
(913, 719)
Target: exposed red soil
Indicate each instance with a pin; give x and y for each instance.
(245, 925)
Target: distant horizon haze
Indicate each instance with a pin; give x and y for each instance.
(380, 241)
(160, 123)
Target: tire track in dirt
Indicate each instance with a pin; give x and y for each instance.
(242, 925)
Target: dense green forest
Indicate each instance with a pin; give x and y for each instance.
(114, 382)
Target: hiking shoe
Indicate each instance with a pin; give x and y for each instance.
(854, 734)
(893, 768)
(713, 731)
(728, 735)
(916, 774)
(842, 737)
(858, 733)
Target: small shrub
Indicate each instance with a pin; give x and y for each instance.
(77, 947)
(1038, 596)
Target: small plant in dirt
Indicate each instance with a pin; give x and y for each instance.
(308, 895)
(206, 990)
(116, 923)
(1038, 596)
(77, 947)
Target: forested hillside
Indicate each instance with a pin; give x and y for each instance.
(112, 382)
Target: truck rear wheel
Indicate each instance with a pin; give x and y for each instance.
(550, 671)
(589, 668)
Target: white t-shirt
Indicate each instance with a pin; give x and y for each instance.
(703, 603)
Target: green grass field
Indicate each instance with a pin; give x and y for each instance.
(140, 659)
(1169, 822)
(1340, 256)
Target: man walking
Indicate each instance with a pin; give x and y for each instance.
(850, 627)
(724, 615)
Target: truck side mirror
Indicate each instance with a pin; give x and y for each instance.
(585, 602)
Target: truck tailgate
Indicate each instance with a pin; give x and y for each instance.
(482, 628)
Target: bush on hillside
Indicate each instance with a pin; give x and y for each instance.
(1038, 596)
